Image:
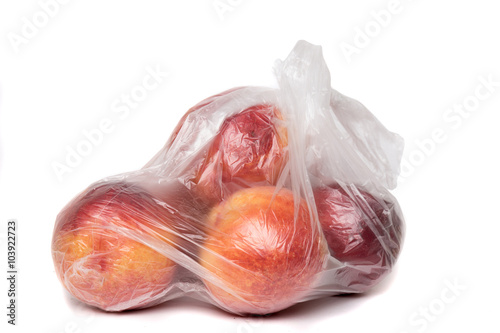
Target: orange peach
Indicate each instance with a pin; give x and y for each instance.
(262, 252)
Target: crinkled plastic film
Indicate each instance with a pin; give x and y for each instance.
(262, 198)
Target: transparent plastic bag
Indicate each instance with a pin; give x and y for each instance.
(261, 198)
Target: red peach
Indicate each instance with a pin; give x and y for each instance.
(250, 149)
(363, 232)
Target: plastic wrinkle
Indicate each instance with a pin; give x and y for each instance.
(260, 199)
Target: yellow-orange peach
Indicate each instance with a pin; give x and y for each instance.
(262, 251)
(100, 247)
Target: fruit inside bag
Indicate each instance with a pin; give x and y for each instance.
(261, 198)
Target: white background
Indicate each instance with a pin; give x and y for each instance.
(428, 57)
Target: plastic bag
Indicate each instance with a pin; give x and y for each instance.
(261, 198)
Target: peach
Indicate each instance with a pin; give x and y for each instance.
(250, 149)
(262, 252)
(100, 247)
(365, 233)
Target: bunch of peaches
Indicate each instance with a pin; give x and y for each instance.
(223, 220)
